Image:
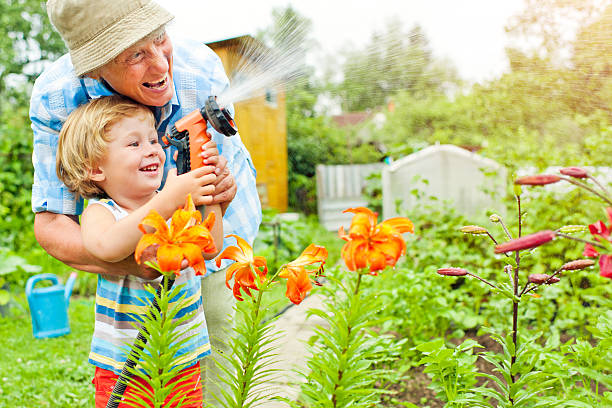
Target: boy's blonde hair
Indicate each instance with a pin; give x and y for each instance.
(83, 140)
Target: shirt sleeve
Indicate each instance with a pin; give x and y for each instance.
(48, 192)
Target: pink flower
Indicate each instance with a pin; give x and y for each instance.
(452, 271)
(605, 266)
(537, 180)
(576, 172)
(600, 231)
(526, 242)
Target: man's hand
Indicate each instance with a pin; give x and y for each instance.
(225, 185)
(142, 270)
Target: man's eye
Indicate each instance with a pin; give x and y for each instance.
(160, 38)
(134, 57)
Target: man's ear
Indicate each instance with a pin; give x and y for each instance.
(96, 174)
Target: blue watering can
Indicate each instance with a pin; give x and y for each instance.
(49, 305)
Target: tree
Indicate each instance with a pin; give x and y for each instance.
(27, 41)
(392, 61)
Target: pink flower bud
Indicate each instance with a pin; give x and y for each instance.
(537, 180)
(540, 278)
(576, 172)
(577, 265)
(526, 242)
(452, 271)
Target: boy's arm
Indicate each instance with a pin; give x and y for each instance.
(113, 240)
(60, 236)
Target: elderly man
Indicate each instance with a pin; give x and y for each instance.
(121, 47)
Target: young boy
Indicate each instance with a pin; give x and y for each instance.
(109, 152)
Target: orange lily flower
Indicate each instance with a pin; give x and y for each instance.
(244, 268)
(376, 245)
(298, 278)
(185, 238)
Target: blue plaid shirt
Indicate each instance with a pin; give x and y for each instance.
(197, 74)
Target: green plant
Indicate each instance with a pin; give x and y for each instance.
(154, 380)
(344, 356)
(452, 370)
(348, 358)
(246, 370)
(11, 264)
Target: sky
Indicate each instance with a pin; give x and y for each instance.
(470, 33)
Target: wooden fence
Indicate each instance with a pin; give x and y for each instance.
(340, 187)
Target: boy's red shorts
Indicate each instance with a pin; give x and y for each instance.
(188, 380)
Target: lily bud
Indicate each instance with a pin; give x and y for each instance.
(537, 180)
(526, 242)
(571, 229)
(578, 265)
(540, 278)
(473, 229)
(494, 218)
(576, 172)
(452, 271)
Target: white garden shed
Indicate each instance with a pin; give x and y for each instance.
(452, 174)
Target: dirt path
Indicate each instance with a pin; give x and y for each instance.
(292, 354)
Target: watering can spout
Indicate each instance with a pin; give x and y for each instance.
(68, 287)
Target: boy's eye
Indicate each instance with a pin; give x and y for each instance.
(134, 144)
(154, 141)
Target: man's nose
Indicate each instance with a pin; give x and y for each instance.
(159, 62)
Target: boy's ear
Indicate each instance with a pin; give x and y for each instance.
(96, 174)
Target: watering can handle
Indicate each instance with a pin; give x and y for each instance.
(37, 278)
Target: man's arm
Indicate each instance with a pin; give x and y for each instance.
(60, 236)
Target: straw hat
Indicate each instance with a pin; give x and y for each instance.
(97, 31)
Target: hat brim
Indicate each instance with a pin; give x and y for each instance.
(118, 37)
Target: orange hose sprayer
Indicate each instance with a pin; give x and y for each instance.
(188, 134)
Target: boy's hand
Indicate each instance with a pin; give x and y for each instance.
(199, 183)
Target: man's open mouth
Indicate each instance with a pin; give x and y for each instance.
(157, 85)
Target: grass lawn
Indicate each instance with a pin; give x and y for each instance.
(54, 372)
(47, 372)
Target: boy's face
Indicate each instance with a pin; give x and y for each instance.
(133, 166)
(143, 72)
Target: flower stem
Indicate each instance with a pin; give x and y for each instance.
(598, 184)
(348, 337)
(246, 384)
(586, 241)
(515, 285)
(483, 280)
(588, 188)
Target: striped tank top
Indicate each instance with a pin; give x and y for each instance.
(119, 299)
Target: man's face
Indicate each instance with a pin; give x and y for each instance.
(143, 72)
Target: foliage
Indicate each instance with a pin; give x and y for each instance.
(247, 368)
(348, 359)
(153, 380)
(453, 370)
(11, 264)
(27, 41)
(393, 60)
